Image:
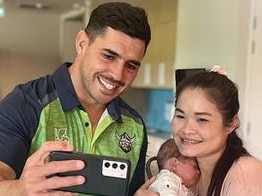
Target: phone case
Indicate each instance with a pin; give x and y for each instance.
(108, 176)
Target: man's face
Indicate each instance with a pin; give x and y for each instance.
(108, 65)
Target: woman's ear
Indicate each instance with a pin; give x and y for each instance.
(81, 41)
(234, 124)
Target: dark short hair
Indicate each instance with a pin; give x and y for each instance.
(122, 17)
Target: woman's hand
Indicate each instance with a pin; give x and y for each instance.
(144, 189)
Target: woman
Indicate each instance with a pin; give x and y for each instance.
(204, 126)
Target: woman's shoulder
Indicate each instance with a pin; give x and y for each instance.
(244, 177)
(249, 163)
(247, 167)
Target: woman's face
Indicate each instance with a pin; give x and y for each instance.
(198, 126)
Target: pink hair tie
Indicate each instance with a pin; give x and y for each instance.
(218, 69)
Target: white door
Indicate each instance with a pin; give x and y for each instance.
(253, 106)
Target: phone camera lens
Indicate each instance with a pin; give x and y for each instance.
(114, 165)
(107, 164)
(122, 166)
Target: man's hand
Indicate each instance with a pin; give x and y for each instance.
(35, 178)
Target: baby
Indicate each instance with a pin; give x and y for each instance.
(178, 174)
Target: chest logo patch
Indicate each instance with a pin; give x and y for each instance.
(125, 142)
(61, 134)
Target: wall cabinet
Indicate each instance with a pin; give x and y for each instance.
(157, 69)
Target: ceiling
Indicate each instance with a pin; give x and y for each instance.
(51, 6)
(44, 6)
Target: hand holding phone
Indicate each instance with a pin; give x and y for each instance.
(104, 175)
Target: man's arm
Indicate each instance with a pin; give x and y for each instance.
(6, 172)
(7, 176)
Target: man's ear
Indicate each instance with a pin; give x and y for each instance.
(81, 41)
(234, 124)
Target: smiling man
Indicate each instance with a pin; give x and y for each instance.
(78, 107)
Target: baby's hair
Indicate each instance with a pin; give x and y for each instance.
(166, 151)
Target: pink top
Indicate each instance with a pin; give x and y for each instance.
(244, 178)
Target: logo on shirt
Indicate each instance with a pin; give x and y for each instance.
(61, 134)
(125, 142)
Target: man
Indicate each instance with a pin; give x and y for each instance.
(78, 108)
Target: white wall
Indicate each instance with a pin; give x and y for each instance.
(28, 47)
(208, 34)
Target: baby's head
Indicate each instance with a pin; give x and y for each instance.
(169, 157)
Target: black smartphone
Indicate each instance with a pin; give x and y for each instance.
(105, 175)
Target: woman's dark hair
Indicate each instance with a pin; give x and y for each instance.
(119, 16)
(221, 91)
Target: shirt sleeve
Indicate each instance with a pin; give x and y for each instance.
(17, 122)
